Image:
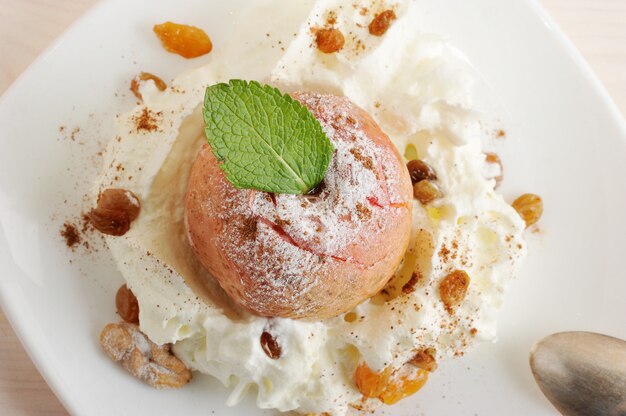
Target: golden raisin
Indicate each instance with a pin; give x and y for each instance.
(420, 170)
(426, 191)
(381, 22)
(453, 289)
(329, 40)
(425, 359)
(529, 207)
(493, 161)
(184, 40)
(402, 386)
(116, 209)
(127, 305)
(270, 345)
(369, 383)
(146, 76)
(388, 386)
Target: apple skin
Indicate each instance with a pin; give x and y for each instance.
(259, 250)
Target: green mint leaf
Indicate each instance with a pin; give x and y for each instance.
(264, 139)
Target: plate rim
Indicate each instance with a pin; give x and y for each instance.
(27, 334)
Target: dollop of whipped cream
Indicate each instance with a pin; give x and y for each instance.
(420, 91)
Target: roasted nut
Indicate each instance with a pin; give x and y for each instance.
(529, 207)
(425, 359)
(329, 40)
(426, 191)
(127, 305)
(146, 76)
(270, 345)
(116, 209)
(453, 289)
(495, 168)
(420, 170)
(184, 40)
(381, 22)
(154, 364)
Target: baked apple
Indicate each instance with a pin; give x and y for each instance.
(308, 256)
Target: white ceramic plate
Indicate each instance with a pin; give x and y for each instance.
(567, 142)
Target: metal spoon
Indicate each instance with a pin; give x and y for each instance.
(582, 373)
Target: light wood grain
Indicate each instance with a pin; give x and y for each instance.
(597, 28)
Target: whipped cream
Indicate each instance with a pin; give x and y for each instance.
(420, 90)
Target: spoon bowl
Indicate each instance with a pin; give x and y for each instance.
(582, 373)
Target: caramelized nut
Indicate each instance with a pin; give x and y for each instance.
(329, 40)
(381, 22)
(426, 191)
(154, 364)
(146, 76)
(453, 289)
(425, 359)
(184, 40)
(420, 170)
(529, 207)
(116, 209)
(127, 305)
(495, 166)
(270, 345)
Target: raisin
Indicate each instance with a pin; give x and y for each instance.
(127, 305)
(387, 385)
(329, 40)
(529, 207)
(426, 191)
(381, 22)
(420, 170)
(116, 209)
(453, 289)
(270, 345)
(369, 383)
(184, 40)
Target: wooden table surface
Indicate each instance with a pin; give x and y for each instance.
(597, 28)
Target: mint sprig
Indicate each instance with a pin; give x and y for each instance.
(264, 139)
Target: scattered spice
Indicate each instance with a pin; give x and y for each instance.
(146, 120)
(69, 232)
(381, 23)
(367, 161)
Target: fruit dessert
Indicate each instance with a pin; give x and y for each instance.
(309, 216)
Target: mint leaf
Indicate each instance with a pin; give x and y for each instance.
(264, 139)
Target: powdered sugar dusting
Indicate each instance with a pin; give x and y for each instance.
(351, 194)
